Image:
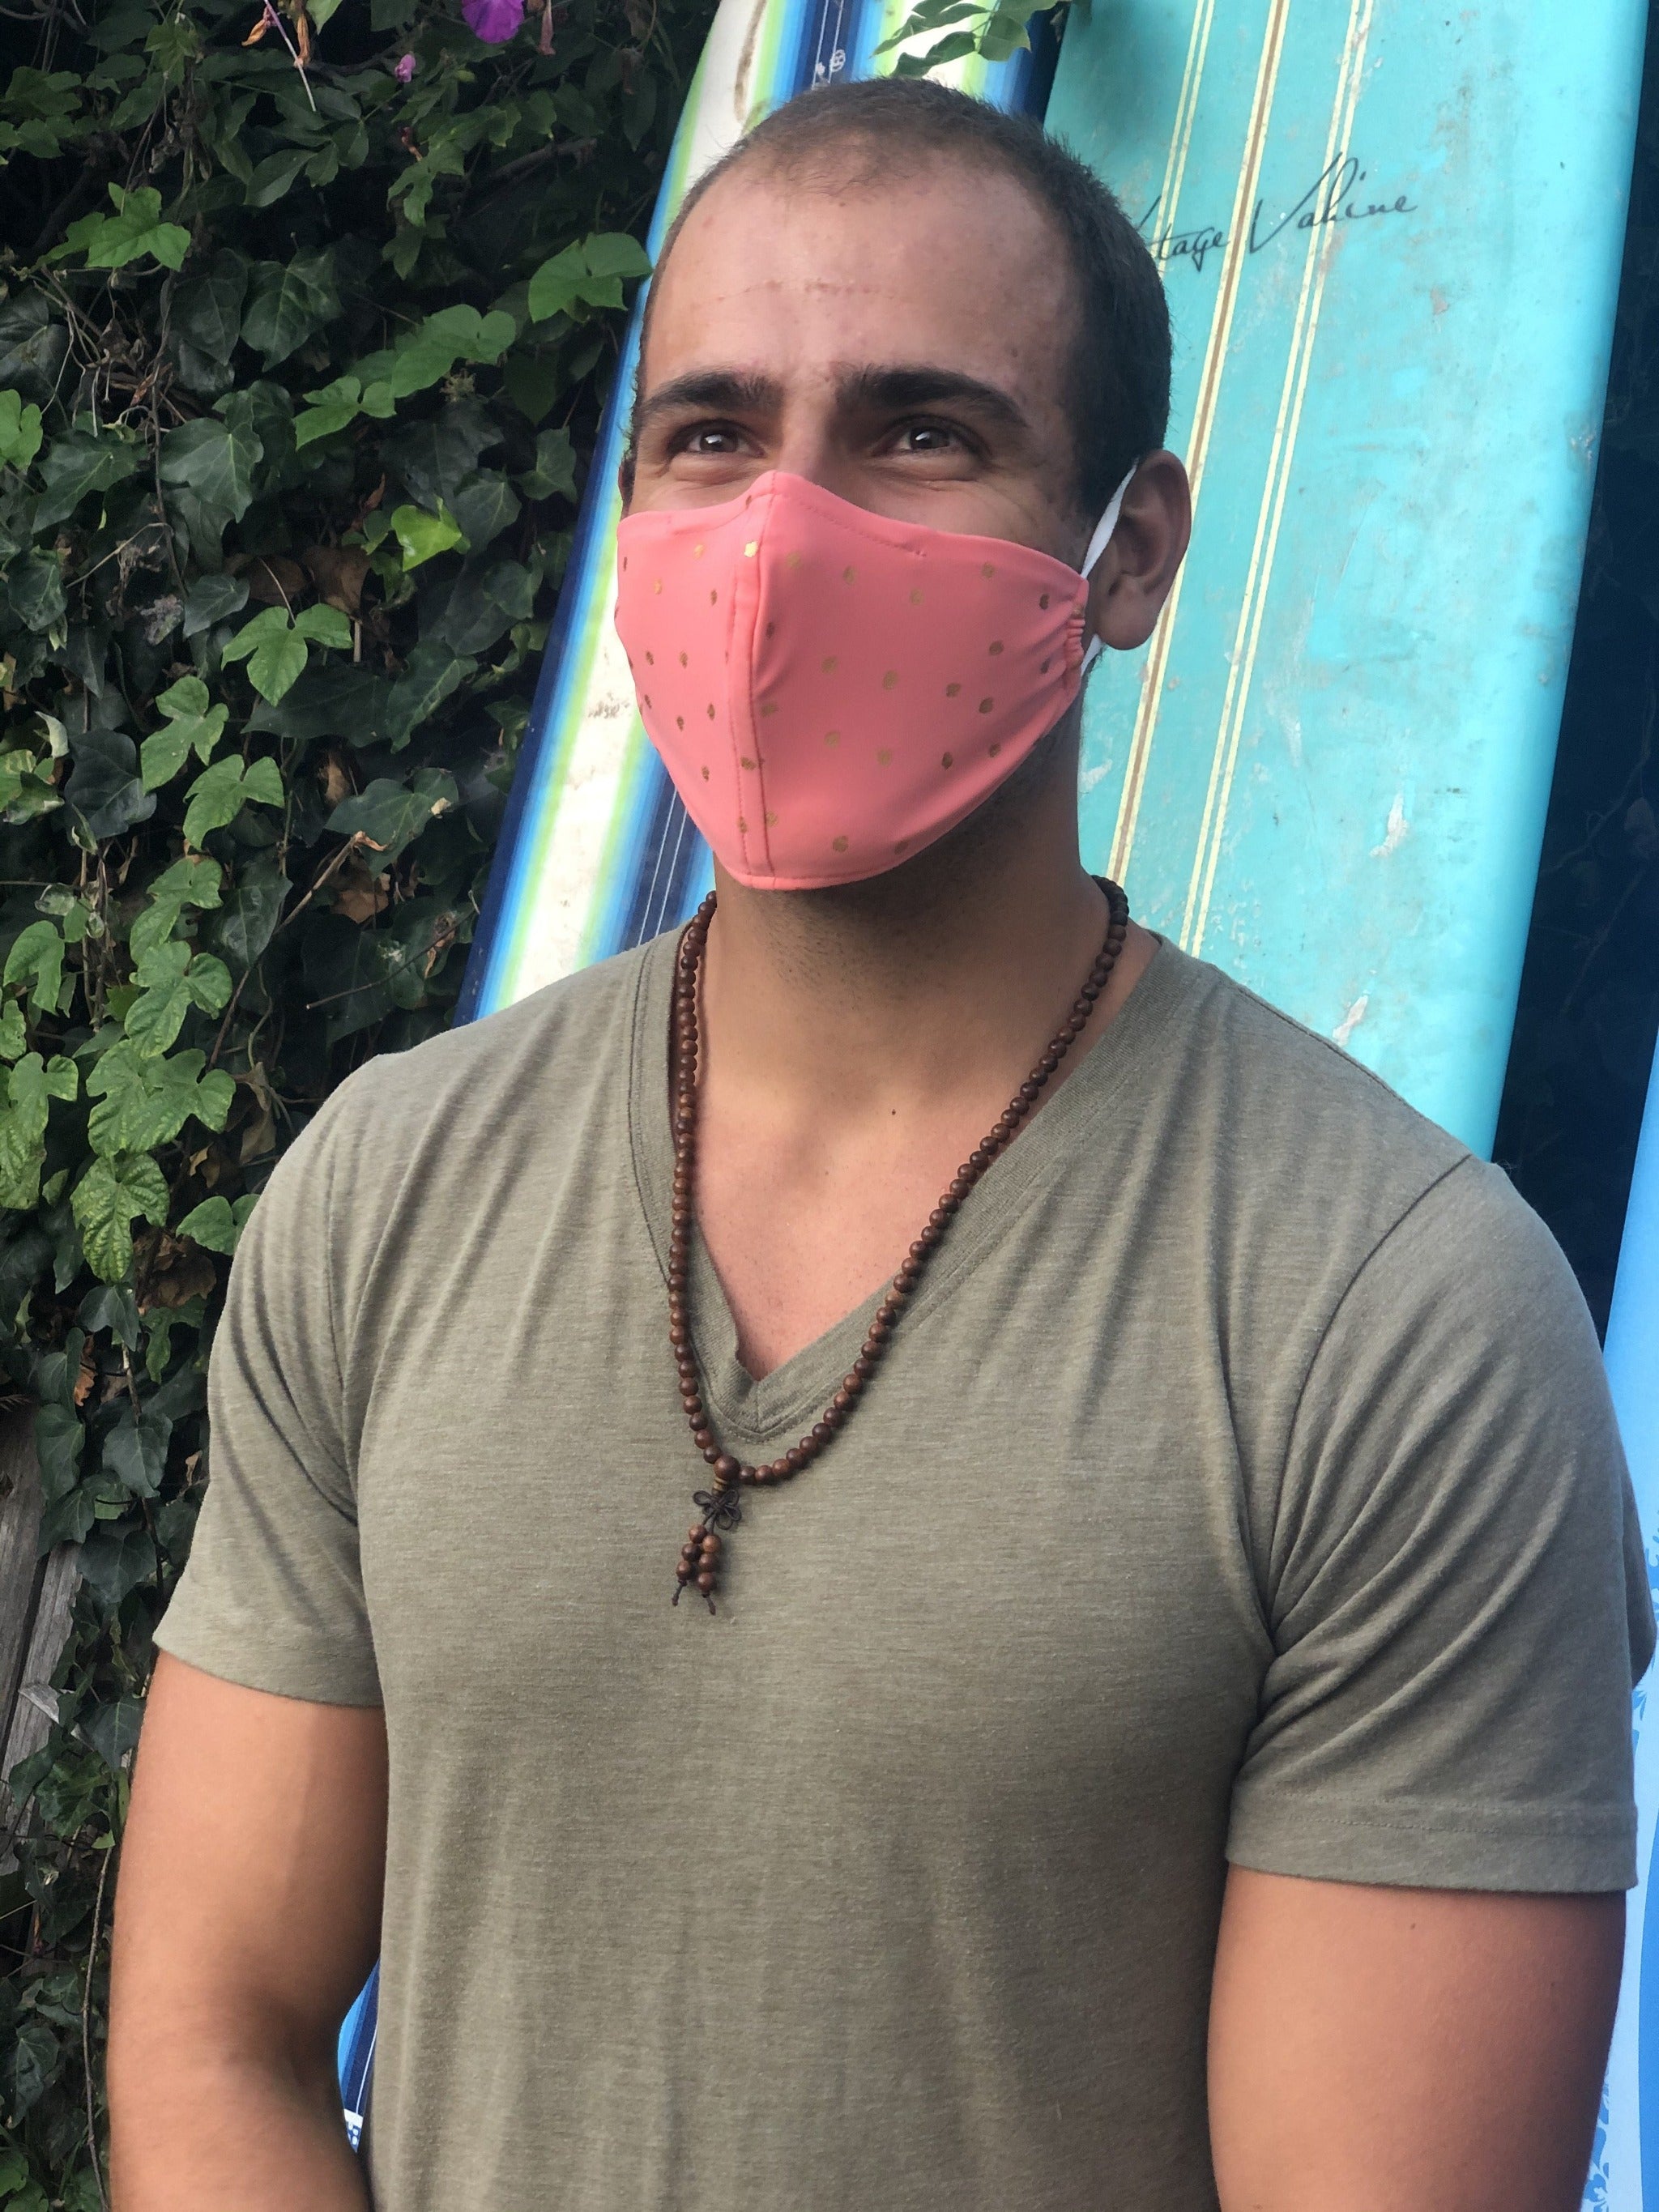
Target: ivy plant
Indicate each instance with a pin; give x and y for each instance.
(306, 314)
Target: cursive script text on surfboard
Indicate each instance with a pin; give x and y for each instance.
(1333, 198)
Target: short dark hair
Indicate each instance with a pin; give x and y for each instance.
(1118, 381)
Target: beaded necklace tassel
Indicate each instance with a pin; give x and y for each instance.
(718, 1506)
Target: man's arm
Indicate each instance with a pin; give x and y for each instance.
(1407, 2050)
(246, 1919)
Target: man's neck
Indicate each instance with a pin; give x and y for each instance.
(858, 1044)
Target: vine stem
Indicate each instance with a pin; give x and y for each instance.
(86, 2029)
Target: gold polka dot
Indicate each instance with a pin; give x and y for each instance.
(1045, 666)
(1043, 601)
(791, 560)
(839, 844)
(985, 706)
(656, 586)
(915, 599)
(884, 754)
(951, 690)
(679, 724)
(705, 773)
(743, 827)
(986, 569)
(902, 844)
(753, 547)
(683, 660)
(848, 575)
(645, 698)
(624, 562)
(711, 708)
(770, 706)
(991, 751)
(829, 662)
(770, 820)
(714, 598)
(696, 552)
(651, 659)
(890, 679)
(948, 761)
(832, 737)
(770, 627)
(996, 644)
(744, 761)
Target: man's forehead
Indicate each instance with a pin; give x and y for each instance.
(770, 263)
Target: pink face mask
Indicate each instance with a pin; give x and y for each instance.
(831, 691)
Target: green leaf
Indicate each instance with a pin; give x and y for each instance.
(272, 177)
(216, 462)
(135, 1452)
(207, 310)
(421, 535)
(112, 1308)
(114, 1561)
(193, 882)
(275, 654)
(432, 674)
(30, 1085)
(213, 599)
(324, 625)
(36, 957)
(219, 792)
(60, 1438)
(144, 1102)
(390, 815)
(78, 463)
(216, 1224)
(13, 1036)
(553, 474)
(590, 274)
(109, 1198)
(110, 242)
(113, 1731)
(483, 507)
(20, 430)
(106, 788)
(193, 725)
(287, 302)
(34, 589)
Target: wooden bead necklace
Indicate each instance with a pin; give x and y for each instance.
(700, 1554)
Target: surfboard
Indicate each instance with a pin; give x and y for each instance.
(1390, 233)
(595, 853)
(1625, 2170)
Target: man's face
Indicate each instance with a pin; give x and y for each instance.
(902, 343)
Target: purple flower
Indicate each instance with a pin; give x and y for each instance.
(405, 68)
(494, 20)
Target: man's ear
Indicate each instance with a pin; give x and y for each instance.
(1135, 573)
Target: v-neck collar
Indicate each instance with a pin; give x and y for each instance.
(754, 1417)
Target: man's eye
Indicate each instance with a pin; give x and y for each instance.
(710, 441)
(927, 438)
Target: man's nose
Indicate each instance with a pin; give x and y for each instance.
(809, 445)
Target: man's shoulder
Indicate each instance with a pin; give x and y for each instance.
(544, 1058)
(1290, 1089)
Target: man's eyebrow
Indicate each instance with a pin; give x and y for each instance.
(924, 386)
(722, 391)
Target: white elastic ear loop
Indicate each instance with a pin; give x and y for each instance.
(1097, 544)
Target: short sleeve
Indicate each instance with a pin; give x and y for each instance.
(272, 1595)
(1452, 1578)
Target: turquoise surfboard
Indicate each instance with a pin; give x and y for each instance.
(1391, 235)
(1625, 2176)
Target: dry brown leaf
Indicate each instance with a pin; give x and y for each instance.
(358, 894)
(274, 580)
(332, 775)
(88, 1373)
(340, 572)
(173, 1271)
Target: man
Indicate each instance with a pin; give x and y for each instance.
(1156, 1735)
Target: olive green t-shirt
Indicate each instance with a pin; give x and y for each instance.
(1241, 1485)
